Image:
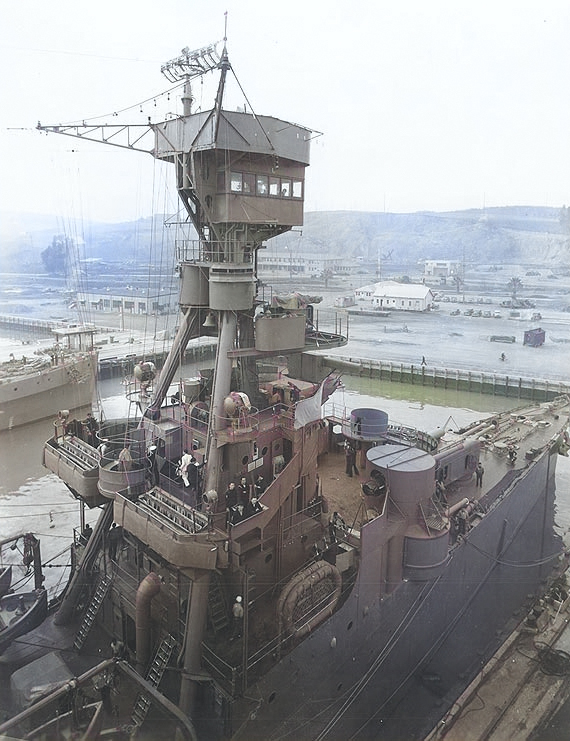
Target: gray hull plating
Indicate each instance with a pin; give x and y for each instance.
(389, 669)
(43, 393)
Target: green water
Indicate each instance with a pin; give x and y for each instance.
(428, 395)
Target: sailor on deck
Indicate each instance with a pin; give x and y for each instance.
(479, 471)
(237, 615)
(186, 461)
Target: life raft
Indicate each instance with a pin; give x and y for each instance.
(309, 598)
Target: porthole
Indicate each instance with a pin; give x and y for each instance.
(349, 626)
(264, 450)
(244, 460)
(339, 687)
(271, 697)
(269, 557)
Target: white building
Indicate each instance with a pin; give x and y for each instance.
(297, 263)
(402, 296)
(366, 292)
(130, 302)
(441, 268)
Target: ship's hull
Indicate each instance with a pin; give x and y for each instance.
(390, 668)
(43, 393)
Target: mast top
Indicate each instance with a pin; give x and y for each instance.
(193, 63)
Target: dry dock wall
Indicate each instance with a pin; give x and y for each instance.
(495, 384)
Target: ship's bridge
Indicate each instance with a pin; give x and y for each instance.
(246, 169)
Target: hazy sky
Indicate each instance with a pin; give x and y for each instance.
(423, 104)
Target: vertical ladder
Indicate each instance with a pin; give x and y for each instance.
(153, 677)
(92, 610)
(217, 608)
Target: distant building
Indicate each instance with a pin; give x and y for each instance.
(402, 296)
(344, 301)
(298, 263)
(129, 303)
(441, 268)
(366, 292)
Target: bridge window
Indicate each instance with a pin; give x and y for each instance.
(248, 182)
(235, 182)
(262, 185)
(259, 185)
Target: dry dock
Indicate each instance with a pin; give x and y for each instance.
(520, 690)
(482, 382)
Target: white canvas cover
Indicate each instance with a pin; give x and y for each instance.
(309, 410)
(43, 675)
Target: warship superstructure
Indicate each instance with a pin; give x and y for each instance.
(38, 384)
(261, 569)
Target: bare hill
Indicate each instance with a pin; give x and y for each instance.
(509, 234)
(528, 235)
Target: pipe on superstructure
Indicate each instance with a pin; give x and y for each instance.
(189, 327)
(148, 589)
(194, 635)
(222, 387)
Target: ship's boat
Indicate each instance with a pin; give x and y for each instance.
(272, 566)
(20, 613)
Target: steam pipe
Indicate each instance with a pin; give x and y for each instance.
(148, 589)
(222, 386)
(194, 634)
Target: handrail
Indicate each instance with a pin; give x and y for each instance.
(197, 251)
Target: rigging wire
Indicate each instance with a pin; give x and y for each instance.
(365, 679)
(36, 514)
(151, 99)
(431, 649)
(352, 693)
(520, 564)
(252, 110)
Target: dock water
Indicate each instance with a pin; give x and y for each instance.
(472, 381)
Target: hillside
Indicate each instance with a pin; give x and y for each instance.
(509, 234)
(527, 235)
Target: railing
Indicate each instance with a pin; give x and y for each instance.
(244, 420)
(222, 671)
(74, 453)
(370, 431)
(187, 519)
(230, 251)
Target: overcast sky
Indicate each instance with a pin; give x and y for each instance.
(423, 104)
